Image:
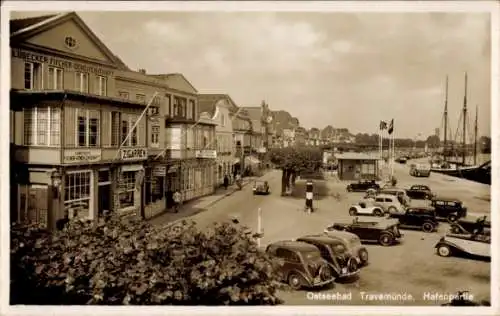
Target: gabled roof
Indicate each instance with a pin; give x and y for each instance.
(22, 29)
(254, 112)
(175, 80)
(207, 102)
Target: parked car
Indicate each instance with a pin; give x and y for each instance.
(421, 217)
(469, 224)
(342, 263)
(449, 208)
(388, 203)
(366, 207)
(420, 170)
(370, 193)
(260, 187)
(385, 232)
(478, 245)
(419, 192)
(362, 186)
(352, 243)
(299, 264)
(401, 159)
(397, 192)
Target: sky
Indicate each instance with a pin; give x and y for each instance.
(349, 70)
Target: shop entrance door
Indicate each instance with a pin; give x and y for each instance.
(104, 197)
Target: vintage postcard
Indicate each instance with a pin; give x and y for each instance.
(266, 157)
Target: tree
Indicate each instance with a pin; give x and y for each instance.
(295, 160)
(433, 141)
(118, 261)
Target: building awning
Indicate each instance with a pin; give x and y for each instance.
(132, 168)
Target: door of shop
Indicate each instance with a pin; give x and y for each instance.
(33, 204)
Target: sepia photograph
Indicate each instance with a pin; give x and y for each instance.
(211, 154)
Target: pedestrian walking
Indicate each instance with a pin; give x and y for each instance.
(226, 181)
(309, 196)
(177, 200)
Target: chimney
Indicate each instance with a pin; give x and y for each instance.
(142, 71)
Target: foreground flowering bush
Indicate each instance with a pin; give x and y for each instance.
(118, 261)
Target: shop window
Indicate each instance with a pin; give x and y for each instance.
(82, 82)
(127, 188)
(42, 126)
(155, 188)
(87, 128)
(33, 76)
(101, 86)
(55, 78)
(77, 194)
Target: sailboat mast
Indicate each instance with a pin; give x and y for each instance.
(475, 139)
(464, 122)
(445, 121)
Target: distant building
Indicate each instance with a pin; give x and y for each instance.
(358, 166)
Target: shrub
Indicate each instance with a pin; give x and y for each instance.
(118, 261)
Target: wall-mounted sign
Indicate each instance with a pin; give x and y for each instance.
(66, 64)
(206, 153)
(133, 153)
(81, 155)
(159, 171)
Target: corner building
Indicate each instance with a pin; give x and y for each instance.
(68, 125)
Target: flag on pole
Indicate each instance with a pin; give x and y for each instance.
(390, 129)
(383, 125)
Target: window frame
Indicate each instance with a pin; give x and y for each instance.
(87, 125)
(89, 198)
(34, 132)
(101, 85)
(80, 75)
(155, 135)
(54, 81)
(34, 76)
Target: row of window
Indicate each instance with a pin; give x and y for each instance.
(180, 107)
(34, 75)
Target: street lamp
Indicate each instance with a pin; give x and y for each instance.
(56, 183)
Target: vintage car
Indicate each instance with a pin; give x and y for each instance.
(419, 192)
(401, 160)
(384, 232)
(449, 208)
(342, 263)
(420, 170)
(389, 203)
(397, 192)
(366, 207)
(370, 193)
(469, 224)
(260, 187)
(417, 217)
(299, 264)
(362, 186)
(352, 243)
(478, 245)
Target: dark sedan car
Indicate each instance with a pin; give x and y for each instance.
(261, 187)
(422, 217)
(449, 208)
(471, 224)
(300, 264)
(362, 186)
(385, 232)
(343, 264)
(419, 192)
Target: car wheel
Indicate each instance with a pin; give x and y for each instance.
(428, 227)
(427, 197)
(444, 250)
(363, 256)
(353, 211)
(294, 281)
(385, 239)
(392, 210)
(349, 189)
(452, 218)
(378, 212)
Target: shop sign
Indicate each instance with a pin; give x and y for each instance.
(159, 171)
(206, 153)
(61, 63)
(81, 155)
(133, 153)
